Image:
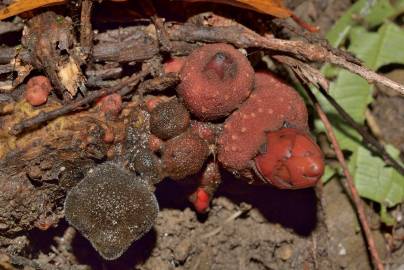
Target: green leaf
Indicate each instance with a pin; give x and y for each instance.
(386, 46)
(378, 49)
(380, 11)
(385, 217)
(377, 182)
(370, 12)
(373, 13)
(329, 173)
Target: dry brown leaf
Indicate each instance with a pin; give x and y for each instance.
(271, 7)
(20, 6)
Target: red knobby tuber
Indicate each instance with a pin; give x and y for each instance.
(215, 80)
(271, 105)
(290, 159)
(37, 90)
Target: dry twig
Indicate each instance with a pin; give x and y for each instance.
(243, 37)
(86, 29)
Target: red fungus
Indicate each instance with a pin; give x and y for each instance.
(270, 106)
(37, 90)
(109, 135)
(215, 80)
(290, 160)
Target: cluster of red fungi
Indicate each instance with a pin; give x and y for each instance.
(265, 135)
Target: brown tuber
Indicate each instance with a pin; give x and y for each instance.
(111, 208)
(215, 80)
(184, 155)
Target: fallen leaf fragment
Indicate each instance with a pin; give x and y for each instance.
(20, 6)
(271, 7)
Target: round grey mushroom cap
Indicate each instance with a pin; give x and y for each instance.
(112, 208)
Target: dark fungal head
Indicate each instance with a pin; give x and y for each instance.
(111, 208)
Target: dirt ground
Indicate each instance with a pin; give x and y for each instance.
(247, 227)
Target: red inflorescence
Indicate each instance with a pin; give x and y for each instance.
(291, 160)
(208, 183)
(201, 200)
(272, 105)
(37, 90)
(215, 80)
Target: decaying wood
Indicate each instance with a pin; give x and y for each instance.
(37, 167)
(43, 117)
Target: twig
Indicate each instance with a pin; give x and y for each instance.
(159, 83)
(369, 75)
(243, 37)
(368, 138)
(349, 181)
(86, 29)
(162, 34)
(316, 39)
(47, 116)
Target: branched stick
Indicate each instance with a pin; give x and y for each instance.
(349, 181)
(243, 37)
(47, 116)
